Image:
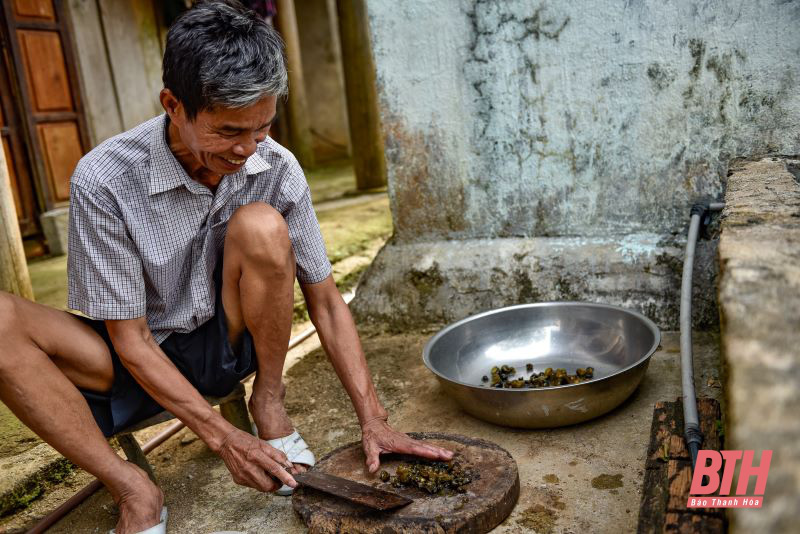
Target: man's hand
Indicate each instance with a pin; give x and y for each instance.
(254, 463)
(378, 438)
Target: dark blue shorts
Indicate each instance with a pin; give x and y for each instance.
(204, 356)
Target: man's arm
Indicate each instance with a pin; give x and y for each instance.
(337, 332)
(246, 456)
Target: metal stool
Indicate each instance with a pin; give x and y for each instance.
(232, 407)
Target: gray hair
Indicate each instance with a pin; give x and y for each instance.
(220, 54)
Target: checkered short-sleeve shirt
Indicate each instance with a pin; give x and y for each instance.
(144, 238)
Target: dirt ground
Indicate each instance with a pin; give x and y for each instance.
(584, 478)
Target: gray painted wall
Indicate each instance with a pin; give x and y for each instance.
(583, 119)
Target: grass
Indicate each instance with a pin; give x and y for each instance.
(347, 230)
(49, 280)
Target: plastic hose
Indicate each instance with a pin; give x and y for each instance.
(700, 215)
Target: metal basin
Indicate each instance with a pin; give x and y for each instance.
(617, 342)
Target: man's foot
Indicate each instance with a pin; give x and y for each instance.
(271, 419)
(139, 501)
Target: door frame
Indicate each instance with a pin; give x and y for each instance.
(14, 132)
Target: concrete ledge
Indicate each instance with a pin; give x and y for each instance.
(423, 284)
(24, 474)
(759, 297)
(54, 225)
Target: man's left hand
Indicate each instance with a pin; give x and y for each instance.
(378, 438)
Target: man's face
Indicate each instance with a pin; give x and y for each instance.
(221, 139)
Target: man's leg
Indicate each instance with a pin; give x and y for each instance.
(258, 293)
(45, 355)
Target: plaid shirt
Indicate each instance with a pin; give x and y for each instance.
(144, 238)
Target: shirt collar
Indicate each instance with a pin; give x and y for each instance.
(166, 171)
(255, 164)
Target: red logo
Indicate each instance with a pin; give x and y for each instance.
(711, 470)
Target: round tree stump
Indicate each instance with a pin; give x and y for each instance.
(488, 500)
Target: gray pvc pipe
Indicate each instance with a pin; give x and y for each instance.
(691, 420)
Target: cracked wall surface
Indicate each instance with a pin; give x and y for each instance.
(602, 119)
(759, 295)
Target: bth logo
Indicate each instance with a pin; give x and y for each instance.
(711, 470)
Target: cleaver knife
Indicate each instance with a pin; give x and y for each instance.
(352, 491)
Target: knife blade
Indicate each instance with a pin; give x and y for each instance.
(352, 491)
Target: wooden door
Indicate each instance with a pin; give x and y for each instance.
(42, 69)
(12, 133)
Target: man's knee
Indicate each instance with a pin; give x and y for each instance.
(257, 230)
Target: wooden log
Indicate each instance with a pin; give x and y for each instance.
(668, 472)
(363, 113)
(297, 105)
(14, 276)
(488, 500)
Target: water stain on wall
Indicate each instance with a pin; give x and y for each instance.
(426, 200)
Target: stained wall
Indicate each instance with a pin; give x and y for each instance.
(600, 120)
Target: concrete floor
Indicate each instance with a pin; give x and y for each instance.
(585, 478)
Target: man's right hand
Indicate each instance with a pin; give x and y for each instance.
(254, 463)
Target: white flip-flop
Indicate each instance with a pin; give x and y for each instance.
(160, 528)
(296, 450)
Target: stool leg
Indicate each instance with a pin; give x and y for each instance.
(135, 454)
(235, 412)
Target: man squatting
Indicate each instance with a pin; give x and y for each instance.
(186, 234)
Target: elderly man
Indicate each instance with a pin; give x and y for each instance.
(186, 235)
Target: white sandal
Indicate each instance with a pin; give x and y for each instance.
(295, 449)
(160, 528)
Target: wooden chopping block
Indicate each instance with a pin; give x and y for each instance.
(489, 498)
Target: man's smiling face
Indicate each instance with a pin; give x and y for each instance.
(219, 140)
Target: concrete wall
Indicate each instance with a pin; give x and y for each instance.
(571, 120)
(760, 307)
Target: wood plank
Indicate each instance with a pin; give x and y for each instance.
(297, 104)
(679, 476)
(682, 523)
(103, 115)
(41, 9)
(146, 20)
(322, 72)
(61, 145)
(130, 51)
(56, 116)
(668, 472)
(362, 97)
(45, 70)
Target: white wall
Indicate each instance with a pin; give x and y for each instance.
(521, 118)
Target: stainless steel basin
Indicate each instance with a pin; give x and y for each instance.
(617, 342)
